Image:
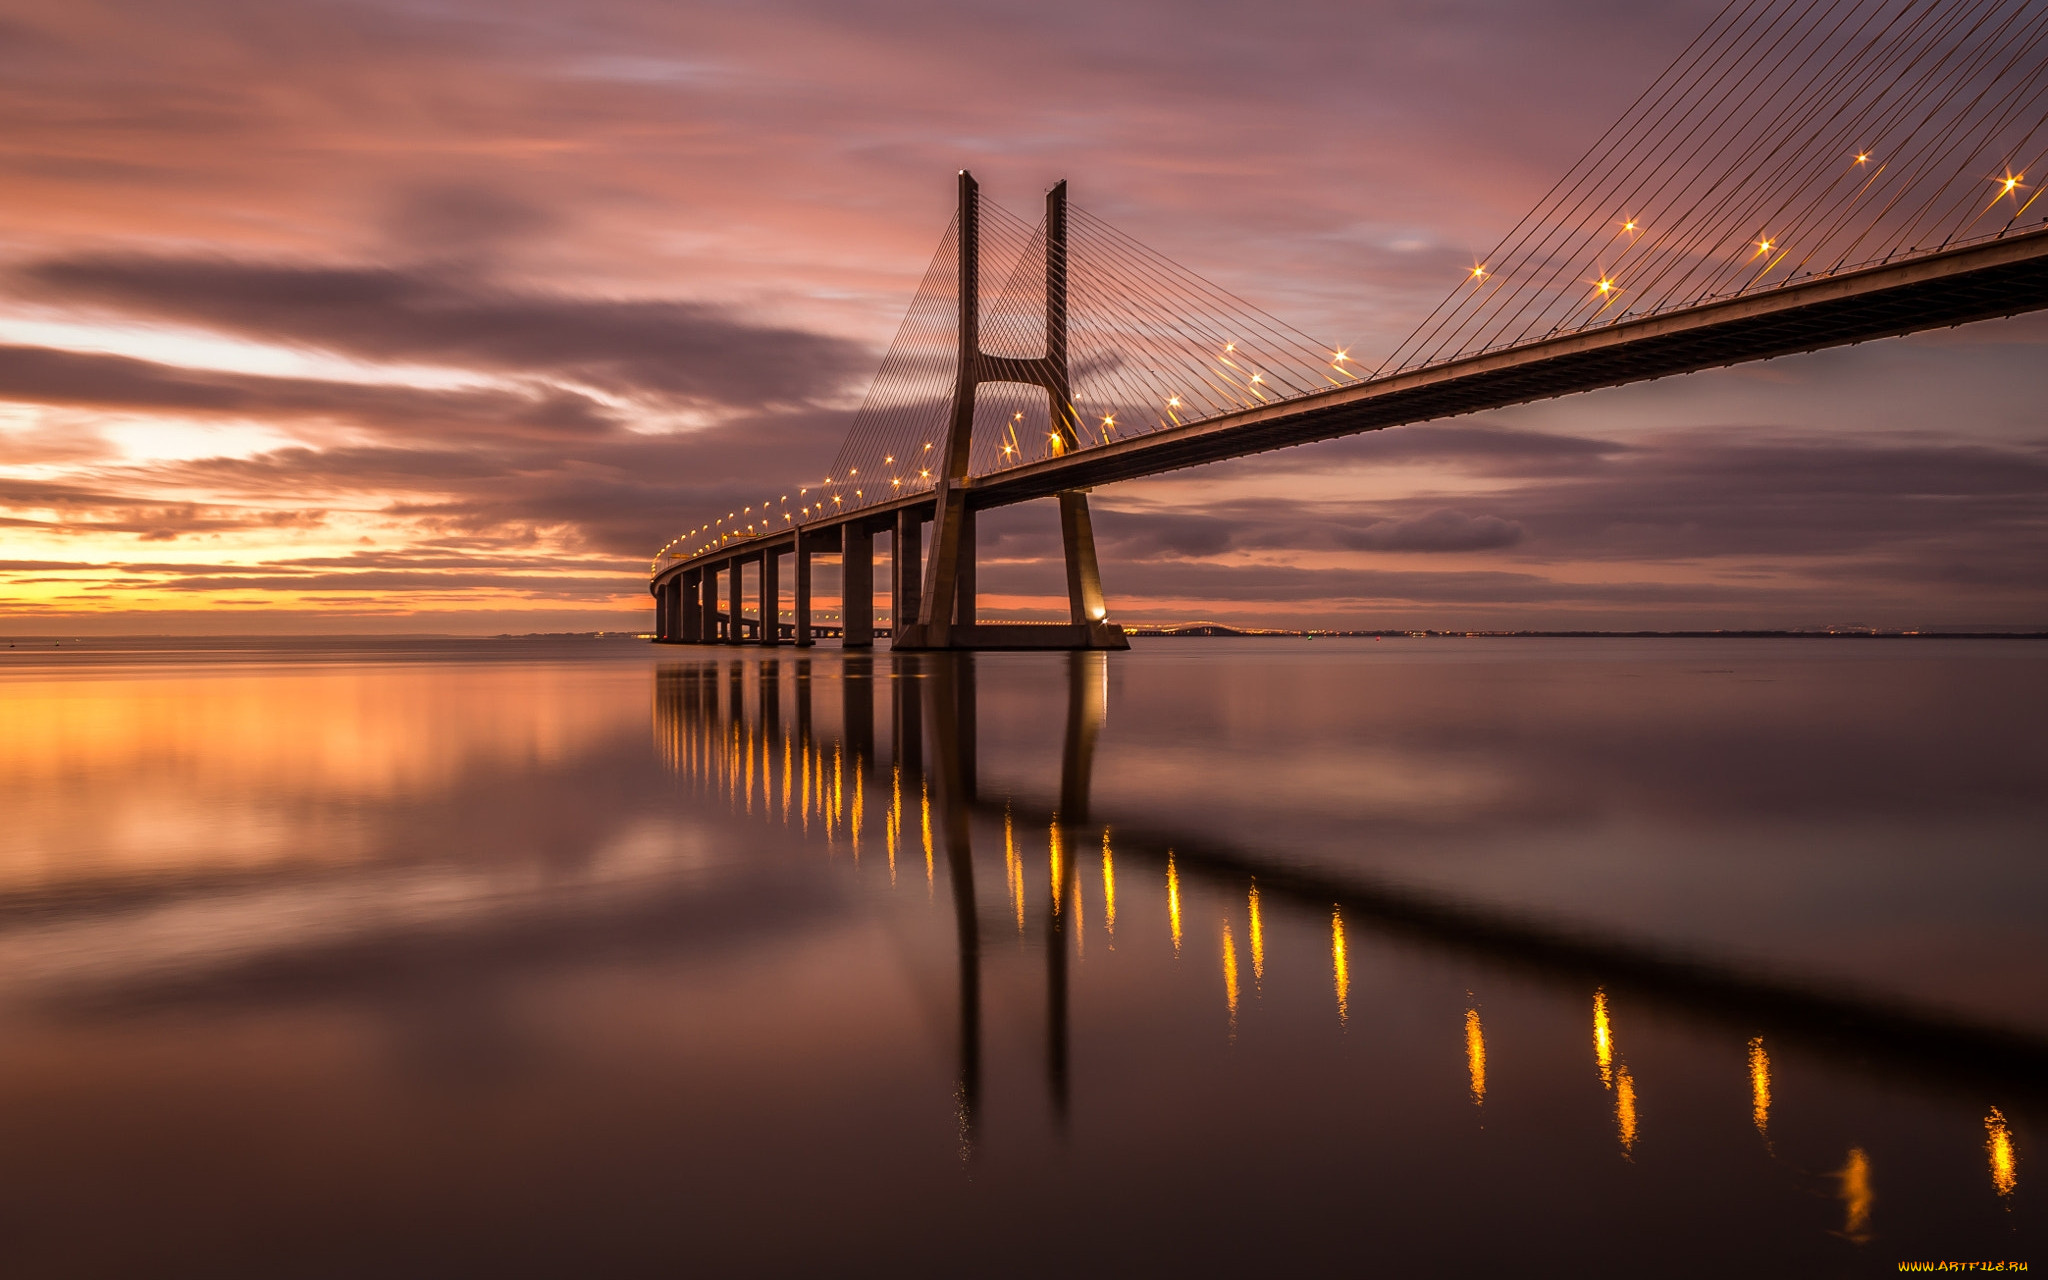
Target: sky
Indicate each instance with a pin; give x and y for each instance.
(326, 316)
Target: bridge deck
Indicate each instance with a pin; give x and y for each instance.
(1982, 281)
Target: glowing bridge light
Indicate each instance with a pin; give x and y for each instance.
(1630, 225)
(1340, 357)
(1479, 273)
(1862, 157)
(1229, 347)
(2010, 183)
(1604, 287)
(1173, 402)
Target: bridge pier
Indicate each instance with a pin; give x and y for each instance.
(714, 625)
(857, 586)
(800, 603)
(690, 605)
(906, 555)
(771, 597)
(735, 627)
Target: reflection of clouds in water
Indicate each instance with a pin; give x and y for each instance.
(125, 774)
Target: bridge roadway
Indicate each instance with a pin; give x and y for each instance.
(1983, 280)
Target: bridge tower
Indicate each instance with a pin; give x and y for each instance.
(945, 618)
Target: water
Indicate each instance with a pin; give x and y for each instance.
(586, 957)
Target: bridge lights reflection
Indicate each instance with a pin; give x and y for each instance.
(1340, 966)
(1230, 977)
(1998, 1145)
(724, 736)
(1759, 1086)
(1603, 1040)
(1475, 1055)
(1853, 1183)
(1108, 891)
(1257, 929)
(1625, 1109)
(1173, 900)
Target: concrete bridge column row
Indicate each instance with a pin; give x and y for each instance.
(687, 608)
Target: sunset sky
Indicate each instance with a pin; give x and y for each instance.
(442, 317)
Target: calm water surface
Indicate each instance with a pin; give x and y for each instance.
(578, 957)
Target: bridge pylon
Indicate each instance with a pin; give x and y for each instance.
(945, 608)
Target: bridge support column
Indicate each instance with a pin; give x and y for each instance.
(713, 632)
(857, 586)
(735, 625)
(800, 605)
(907, 566)
(690, 605)
(661, 619)
(771, 597)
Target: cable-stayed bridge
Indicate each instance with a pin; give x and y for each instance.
(1805, 174)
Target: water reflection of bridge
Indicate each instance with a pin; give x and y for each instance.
(752, 729)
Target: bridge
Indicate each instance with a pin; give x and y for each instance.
(1800, 177)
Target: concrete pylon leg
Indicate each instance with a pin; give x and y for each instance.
(1084, 579)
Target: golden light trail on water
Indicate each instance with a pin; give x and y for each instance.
(1998, 1146)
(1603, 1040)
(1013, 869)
(838, 813)
(1853, 1182)
(804, 802)
(1759, 1086)
(1055, 865)
(1340, 966)
(925, 804)
(1475, 1055)
(892, 826)
(1230, 976)
(860, 793)
(1625, 1109)
(787, 747)
(1257, 929)
(1173, 900)
(1080, 924)
(1108, 891)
